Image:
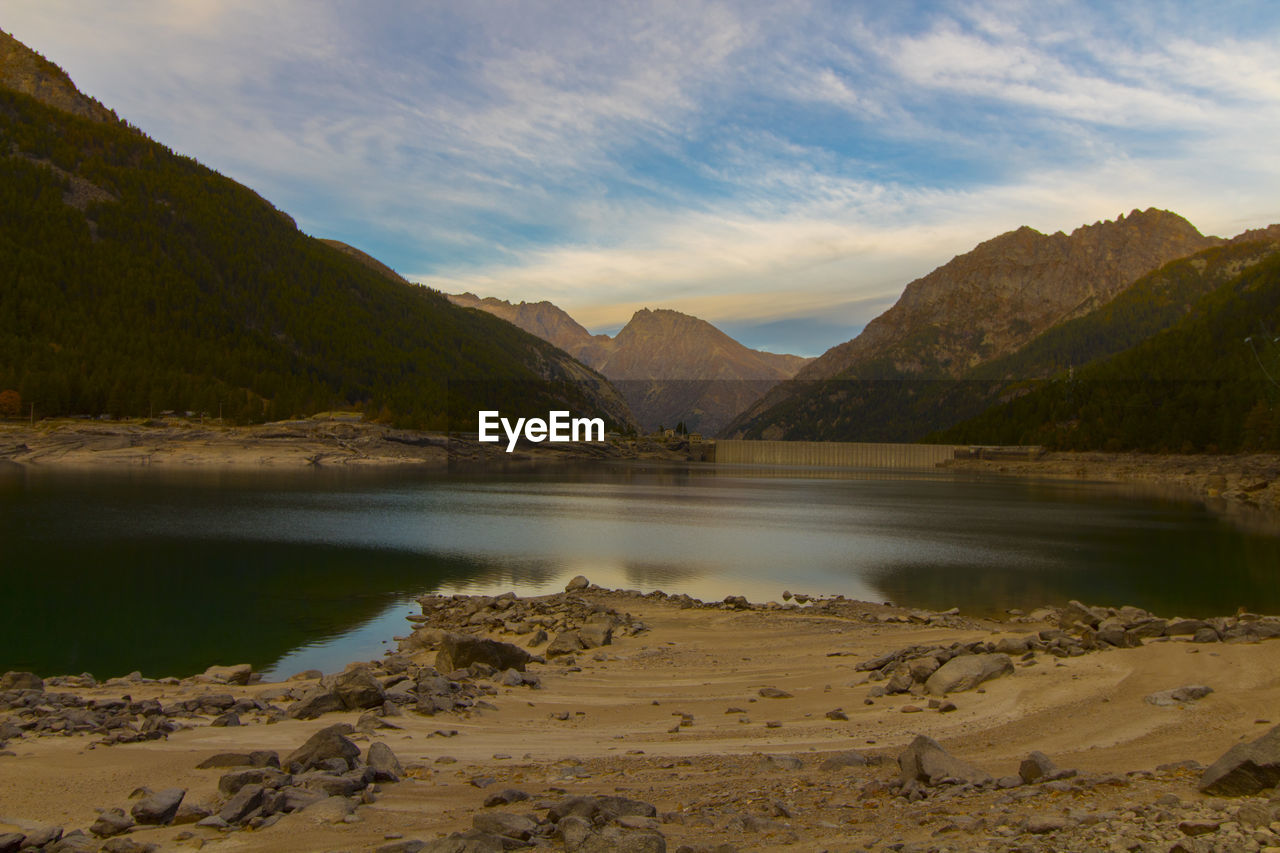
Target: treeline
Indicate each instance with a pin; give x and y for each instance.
(1209, 384)
(135, 280)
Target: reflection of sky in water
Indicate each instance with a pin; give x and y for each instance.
(932, 541)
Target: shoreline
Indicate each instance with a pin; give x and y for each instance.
(761, 727)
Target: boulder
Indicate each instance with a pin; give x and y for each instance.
(1246, 768)
(111, 822)
(11, 842)
(384, 764)
(14, 680)
(1076, 612)
(239, 807)
(565, 643)
(329, 742)
(1179, 695)
(925, 761)
(967, 672)
(160, 807)
(577, 583)
(268, 777)
(1036, 767)
(596, 633)
(617, 839)
(237, 674)
(357, 689)
(459, 651)
(843, 761)
(516, 826)
(320, 699)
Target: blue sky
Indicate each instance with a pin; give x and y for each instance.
(782, 169)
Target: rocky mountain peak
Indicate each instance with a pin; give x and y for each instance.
(24, 70)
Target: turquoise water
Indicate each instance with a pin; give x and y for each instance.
(170, 572)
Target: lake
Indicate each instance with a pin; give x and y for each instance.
(168, 572)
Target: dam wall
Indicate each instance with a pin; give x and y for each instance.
(831, 454)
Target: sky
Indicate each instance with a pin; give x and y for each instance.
(780, 168)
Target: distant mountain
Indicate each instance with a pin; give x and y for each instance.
(136, 280)
(670, 367)
(1209, 383)
(978, 307)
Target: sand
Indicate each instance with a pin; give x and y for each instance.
(1085, 712)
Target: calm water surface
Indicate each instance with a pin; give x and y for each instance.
(169, 572)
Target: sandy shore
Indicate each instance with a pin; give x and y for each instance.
(671, 713)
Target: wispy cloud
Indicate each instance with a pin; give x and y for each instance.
(742, 160)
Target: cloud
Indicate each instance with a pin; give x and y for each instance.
(750, 160)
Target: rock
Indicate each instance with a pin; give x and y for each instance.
(505, 823)
(1199, 827)
(459, 651)
(238, 674)
(921, 668)
(606, 808)
(307, 675)
(238, 807)
(43, 836)
(1076, 612)
(967, 672)
(231, 718)
(616, 839)
(1036, 767)
(1179, 695)
(160, 807)
(14, 680)
(565, 643)
(384, 764)
(595, 634)
(319, 700)
(1246, 768)
(75, 841)
(329, 810)
(258, 758)
(268, 777)
(111, 822)
(190, 812)
(505, 797)
(577, 583)
(843, 761)
(357, 689)
(780, 762)
(1044, 824)
(773, 693)
(1013, 645)
(329, 742)
(11, 842)
(1206, 635)
(837, 714)
(127, 845)
(925, 761)
(290, 799)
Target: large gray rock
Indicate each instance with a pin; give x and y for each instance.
(1246, 768)
(516, 826)
(357, 689)
(459, 651)
(565, 643)
(329, 742)
(320, 699)
(159, 807)
(383, 762)
(925, 761)
(1076, 612)
(967, 672)
(577, 583)
(240, 806)
(111, 822)
(11, 842)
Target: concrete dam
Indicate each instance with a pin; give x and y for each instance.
(831, 454)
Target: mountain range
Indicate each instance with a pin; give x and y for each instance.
(137, 280)
(930, 360)
(671, 368)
